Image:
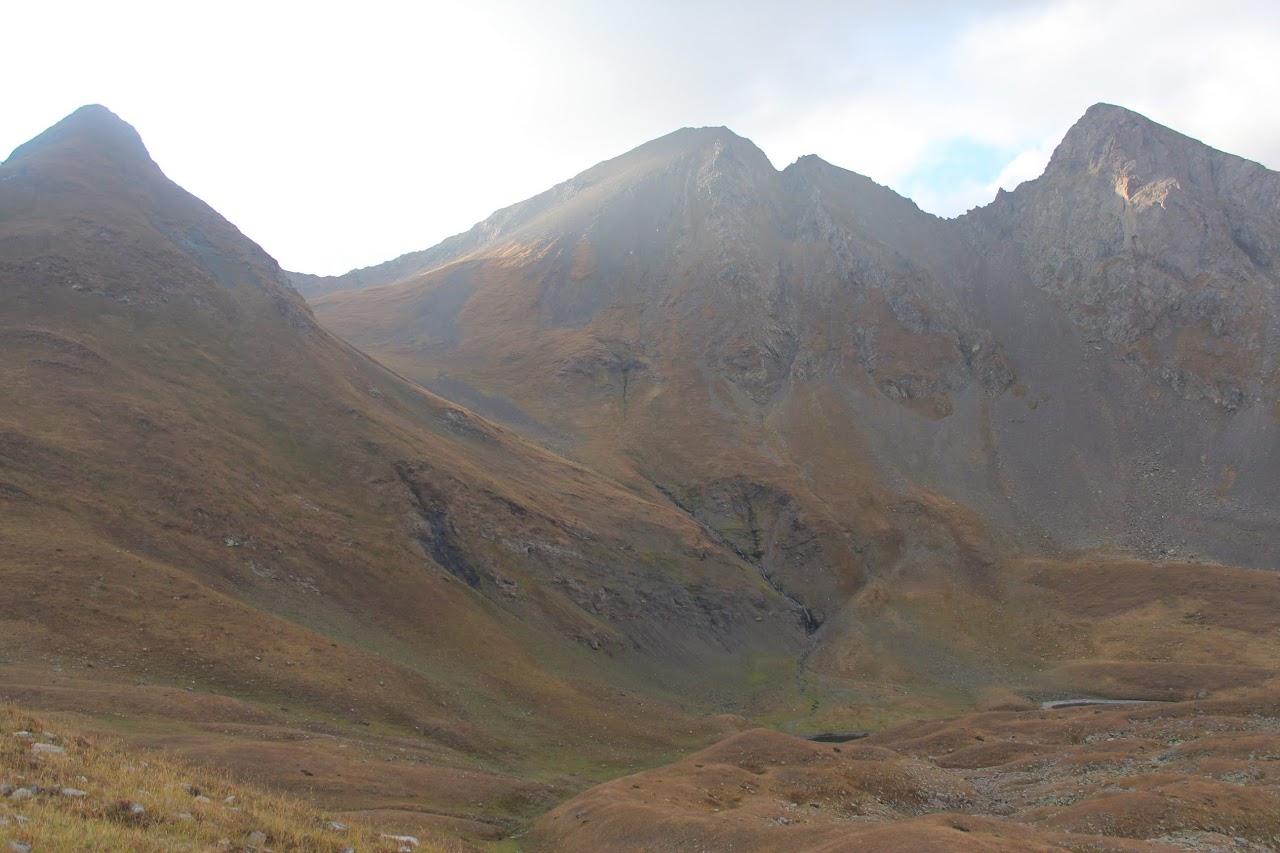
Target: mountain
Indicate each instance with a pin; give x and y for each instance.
(218, 515)
(884, 411)
(1087, 363)
(1148, 260)
(684, 446)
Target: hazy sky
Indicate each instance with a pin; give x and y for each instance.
(343, 134)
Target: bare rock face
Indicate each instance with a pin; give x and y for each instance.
(1134, 288)
(1158, 244)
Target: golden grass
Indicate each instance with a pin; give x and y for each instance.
(88, 798)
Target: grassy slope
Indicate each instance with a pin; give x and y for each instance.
(84, 798)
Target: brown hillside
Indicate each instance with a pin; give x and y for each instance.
(203, 491)
(1134, 779)
(772, 451)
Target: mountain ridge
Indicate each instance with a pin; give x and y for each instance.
(760, 268)
(684, 142)
(1100, 120)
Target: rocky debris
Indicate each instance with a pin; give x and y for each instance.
(19, 847)
(22, 794)
(762, 524)
(464, 423)
(257, 838)
(407, 842)
(48, 749)
(74, 793)
(432, 526)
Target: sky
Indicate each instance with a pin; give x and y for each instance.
(340, 135)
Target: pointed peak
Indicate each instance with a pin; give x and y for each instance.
(92, 126)
(691, 146)
(719, 134)
(692, 139)
(1103, 112)
(1109, 136)
(1108, 120)
(812, 164)
(813, 167)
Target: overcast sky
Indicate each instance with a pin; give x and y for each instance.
(340, 135)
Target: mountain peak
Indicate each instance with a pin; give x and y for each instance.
(1108, 138)
(92, 127)
(693, 140)
(707, 133)
(810, 161)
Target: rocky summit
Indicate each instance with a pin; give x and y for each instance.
(577, 526)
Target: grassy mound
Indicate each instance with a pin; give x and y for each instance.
(63, 791)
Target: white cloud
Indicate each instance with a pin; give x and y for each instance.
(1015, 79)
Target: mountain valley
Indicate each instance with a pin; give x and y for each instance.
(576, 524)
